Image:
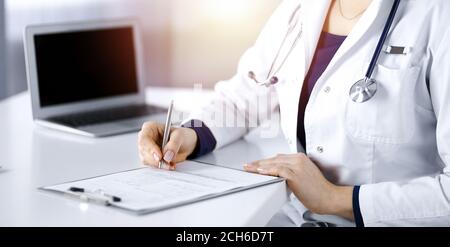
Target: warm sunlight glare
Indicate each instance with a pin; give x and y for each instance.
(224, 10)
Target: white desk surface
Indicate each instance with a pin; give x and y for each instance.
(33, 156)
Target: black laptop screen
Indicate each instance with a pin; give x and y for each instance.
(86, 65)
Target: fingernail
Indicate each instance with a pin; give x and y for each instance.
(261, 170)
(248, 166)
(169, 156)
(156, 157)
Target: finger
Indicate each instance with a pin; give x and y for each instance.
(141, 158)
(157, 164)
(253, 166)
(153, 130)
(167, 166)
(172, 166)
(173, 146)
(279, 170)
(258, 163)
(148, 158)
(148, 149)
(268, 168)
(150, 152)
(151, 149)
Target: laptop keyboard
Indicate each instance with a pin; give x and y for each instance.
(108, 115)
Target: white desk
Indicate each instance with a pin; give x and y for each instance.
(35, 156)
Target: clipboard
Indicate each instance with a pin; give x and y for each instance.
(147, 190)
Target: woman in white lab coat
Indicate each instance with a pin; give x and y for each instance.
(383, 162)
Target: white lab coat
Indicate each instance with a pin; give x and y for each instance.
(397, 145)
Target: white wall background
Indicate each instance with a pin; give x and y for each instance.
(186, 41)
(209, 37)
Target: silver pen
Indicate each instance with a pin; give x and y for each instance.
(166, 134)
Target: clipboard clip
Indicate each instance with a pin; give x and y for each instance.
(97, 196)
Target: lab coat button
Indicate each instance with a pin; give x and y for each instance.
(320, 149)
(327, 89)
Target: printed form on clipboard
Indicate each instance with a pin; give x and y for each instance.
(147, 190)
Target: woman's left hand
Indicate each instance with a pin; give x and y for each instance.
(308, 184)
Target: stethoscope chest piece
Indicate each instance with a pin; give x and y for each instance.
(363, 90)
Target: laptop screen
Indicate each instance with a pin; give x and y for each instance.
(85, 65)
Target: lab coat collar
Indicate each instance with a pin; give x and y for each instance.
(315, 14)
(314, 18)
(361, 28)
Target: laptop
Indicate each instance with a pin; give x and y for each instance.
(87, 78)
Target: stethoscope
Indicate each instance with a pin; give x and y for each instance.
(363, 90)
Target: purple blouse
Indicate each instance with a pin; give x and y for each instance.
(326, 49)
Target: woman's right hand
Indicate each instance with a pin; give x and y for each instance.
(181, 144)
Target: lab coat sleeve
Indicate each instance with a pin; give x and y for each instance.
(205, 139)
(239, 104)
(424, 201)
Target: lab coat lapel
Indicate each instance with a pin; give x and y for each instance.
(359, 30)
(313, 15)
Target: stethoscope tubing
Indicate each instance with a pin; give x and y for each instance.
(383, 38)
